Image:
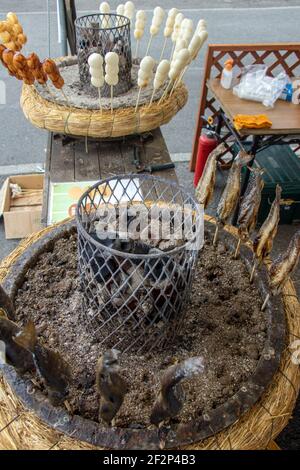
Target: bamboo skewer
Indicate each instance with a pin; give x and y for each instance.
(252, 272)
(163, 49)
(265, 302)
(237, 250)
(152, 96)
(149, 45)
(165, 92)
(111, 98)
(100, 102)
(216, 235)
(138, 100)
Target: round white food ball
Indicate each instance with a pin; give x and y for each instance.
(163, 67)
(141, 15)
(111, 80)
(170, 23)
(168, 32)
(179, 18)
(184, 56)
(173, 12)
(144, 75)
(187, 24)
(112, 58)
(120, 9)
(104, 7)
(129, 9)
(142, 83)
(195, 45)
(95, 60)
(157, 83)
(154, 30)
(111, 69)
(147, 63)
(97, 82)
(139, 24)
(96, 72)
(203, 35)
(159, 12)
(202, 23)
(138, 34)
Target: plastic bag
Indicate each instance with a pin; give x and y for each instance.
(255, 85)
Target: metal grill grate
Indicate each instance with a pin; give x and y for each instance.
(104, 33)
(134, 292)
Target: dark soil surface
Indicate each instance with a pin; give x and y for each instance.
(223, 324)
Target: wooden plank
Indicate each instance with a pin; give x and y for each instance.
(284, 116)
(62, 168)
(110, 159)
(87, 166)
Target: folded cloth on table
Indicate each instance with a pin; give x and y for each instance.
(254, 121)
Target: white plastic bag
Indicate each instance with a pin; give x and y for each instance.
(255, 85)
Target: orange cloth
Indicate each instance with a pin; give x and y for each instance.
(254, 121)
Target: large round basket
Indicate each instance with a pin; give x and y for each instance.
(256, 429)
(54, 117)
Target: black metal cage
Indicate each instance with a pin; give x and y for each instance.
(104, 33)
(136, 287)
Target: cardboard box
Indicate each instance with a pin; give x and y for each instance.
(22, 215)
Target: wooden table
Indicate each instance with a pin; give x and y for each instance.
(285, 128)
(68, 161)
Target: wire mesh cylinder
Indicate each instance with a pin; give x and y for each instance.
(135, 281)
(104, 33)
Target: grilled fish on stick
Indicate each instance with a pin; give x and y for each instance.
(263, 243)
(285, 265)
(249, 209)
(111, 386)
(171, 397)
(231, 193)
(7, 57)
(205, 187)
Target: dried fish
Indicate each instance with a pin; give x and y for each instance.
(16, 355)
(51, 366)
(249, 209)
(205, 187)
(231, 193)
(285, 265)
(250, 206)
(6, 304)
(111, 386)
(263, 242)
(171, 397)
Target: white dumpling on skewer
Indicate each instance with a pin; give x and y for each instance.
(139, 31)
(129, 10)
(120, 9)
(201, 26)
(112, 72)
(176, 30)
(178, 65)
(194, 48)
(186, 29)
(145, 75)
(95, 62)
(169, 27)
(180, 44)
(160, 77)
(105, 10)
(157, 19)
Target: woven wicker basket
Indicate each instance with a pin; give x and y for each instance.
(22, 429)
(45, 114)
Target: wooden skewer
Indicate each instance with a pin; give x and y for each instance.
(111, 98)
(163, 49)
(265, 302)
(149, 45)
(173, 88)
(151, 100)
(252, 272)
(100, 103)
(166, 91)
(138, 99)
(65, 96)
(172, 51)
(216, 235)
(137, 48)
(237, 249)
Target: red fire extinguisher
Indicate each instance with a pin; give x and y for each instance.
(207, 143)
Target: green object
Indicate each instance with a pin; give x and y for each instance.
(282, 166)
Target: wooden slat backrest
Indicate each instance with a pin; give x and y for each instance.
(278, 57)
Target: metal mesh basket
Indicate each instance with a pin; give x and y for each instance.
(104, 33)
(136, 284)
